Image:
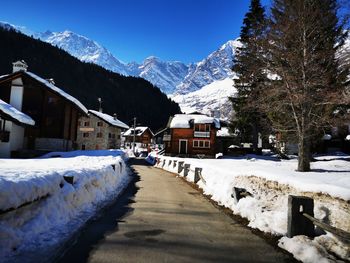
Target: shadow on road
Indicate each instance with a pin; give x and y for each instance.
(79, 247)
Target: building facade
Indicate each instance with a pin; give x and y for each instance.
(54, 111)
(99, 131)
(192, 135)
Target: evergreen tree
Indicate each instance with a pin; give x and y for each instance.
(307, 83)
(249, 68)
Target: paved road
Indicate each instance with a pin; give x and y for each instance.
(163, 219)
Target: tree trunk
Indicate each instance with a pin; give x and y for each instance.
(304, 154)
(255, 136)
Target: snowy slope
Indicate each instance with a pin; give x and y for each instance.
(217, 66)
(212, 97)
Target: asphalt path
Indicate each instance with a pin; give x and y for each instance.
(160, 218)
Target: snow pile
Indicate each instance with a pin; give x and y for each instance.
(270, 181)
(110, 119)
(311, 251)
(183, 120)
(16, 114)
(59, 208)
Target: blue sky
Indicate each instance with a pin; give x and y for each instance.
(184, 30)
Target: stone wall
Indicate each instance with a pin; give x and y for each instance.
(93, 126)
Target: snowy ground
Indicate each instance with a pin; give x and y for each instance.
(271, 181)
(61, 208)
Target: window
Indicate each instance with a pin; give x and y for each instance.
(97, 147)
(83, 146)
(111, 135)
(99, 123)
(86, 123)
(118, 136)
(99, 135)
(79, 123)
(85, 134)
(201, 144)
(202, 127)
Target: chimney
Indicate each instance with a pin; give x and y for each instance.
(100, 104)
(115, 116)
(52, 81)
(19, 65)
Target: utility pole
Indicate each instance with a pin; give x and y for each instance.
(133, 141)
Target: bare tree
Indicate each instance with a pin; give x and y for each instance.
(306, 83)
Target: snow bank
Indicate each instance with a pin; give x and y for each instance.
(270, 181)
(99, 176)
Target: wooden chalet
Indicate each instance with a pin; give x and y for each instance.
(143, 136)
(192, 135)
(54, 111)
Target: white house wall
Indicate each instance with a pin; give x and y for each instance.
(16, 140)
(16, 97)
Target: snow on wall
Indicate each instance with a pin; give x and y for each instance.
(271, 181)
(66, 207)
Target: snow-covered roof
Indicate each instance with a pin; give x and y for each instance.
(52, 87)
(183, 120)
(58, 90)
(109, 119)
(15, 114)
(139, 131)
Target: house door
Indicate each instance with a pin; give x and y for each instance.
(182, 146)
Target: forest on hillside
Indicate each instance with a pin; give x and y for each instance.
(127, 96)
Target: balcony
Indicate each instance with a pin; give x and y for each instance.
(200, 134)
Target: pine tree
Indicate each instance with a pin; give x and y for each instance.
(303, 39)
(249, 69)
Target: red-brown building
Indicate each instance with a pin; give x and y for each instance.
(191, 135)
(54, 111)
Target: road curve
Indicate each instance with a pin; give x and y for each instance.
(169, 221)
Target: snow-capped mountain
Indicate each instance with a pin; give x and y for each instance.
(166, 75)
(84, 49)
(169, 76)
(163, 74)
(217, 66)
(211, 99)
(172, 77)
